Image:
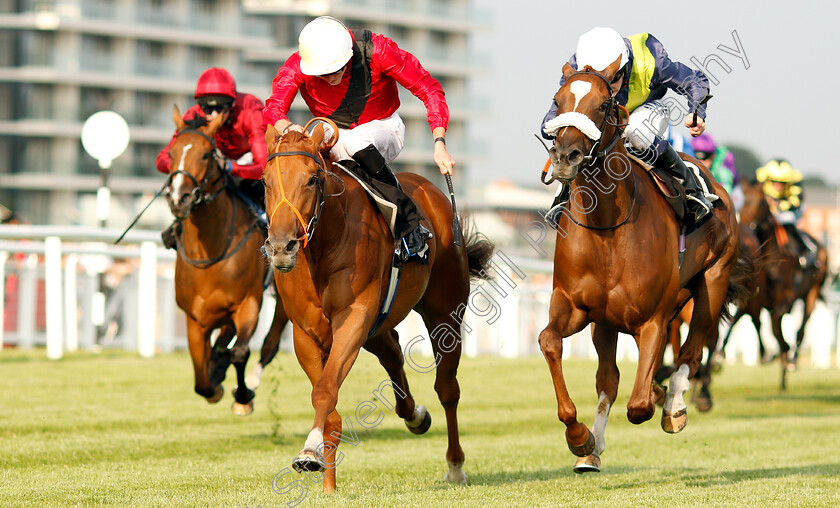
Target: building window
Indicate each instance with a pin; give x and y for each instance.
(200, 59)
(36, 49)
(145, 156)
(150, 58)
(97, 53)
(92, 100)
(149, 110)
(36, 155)
(36, 101)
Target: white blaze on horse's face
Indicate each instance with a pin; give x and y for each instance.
(178, 181)
(579, 89)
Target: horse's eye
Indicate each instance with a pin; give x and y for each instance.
(604, 107)
(207, 155)
(312, 181)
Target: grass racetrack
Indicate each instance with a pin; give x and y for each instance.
(113, 429)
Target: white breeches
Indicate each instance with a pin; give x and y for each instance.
(388, 136)
(646, 123)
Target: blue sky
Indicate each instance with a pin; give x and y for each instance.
(784, 104)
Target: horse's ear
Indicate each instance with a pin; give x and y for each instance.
(568, 70)
(177, 118)
(612, 69)
(318, 134)
(217, 122)
(271, 135)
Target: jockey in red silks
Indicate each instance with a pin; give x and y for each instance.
(240, 141)
(645, 74)
(351, 77)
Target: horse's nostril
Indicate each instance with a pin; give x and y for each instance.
(291, 245)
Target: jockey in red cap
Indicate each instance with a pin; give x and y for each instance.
(240, 141)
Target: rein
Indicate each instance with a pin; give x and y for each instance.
(201, 196)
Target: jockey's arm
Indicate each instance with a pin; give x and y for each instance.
(444, 161)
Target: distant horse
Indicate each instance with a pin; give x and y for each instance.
(219, 271)
(617, 265)
(332, 252)
(785, 279)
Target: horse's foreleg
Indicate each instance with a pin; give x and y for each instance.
(651, 340)
(198, 338)
(738, 315)
(606, 385)
(271, 344)
(784, 348)
(245, 319)
(320, 452)
(580, 440)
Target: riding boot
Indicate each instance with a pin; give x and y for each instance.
(254, 191)
(671, 162)
(807, 248)
(561, 199)
(169, 235)
(408, 232)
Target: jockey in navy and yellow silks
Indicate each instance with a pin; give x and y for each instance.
(645, 76)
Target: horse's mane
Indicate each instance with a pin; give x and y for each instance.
(196, 122)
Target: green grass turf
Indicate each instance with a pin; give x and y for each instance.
(112, 429)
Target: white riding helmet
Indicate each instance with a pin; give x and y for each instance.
(325, 46)
(599, 48)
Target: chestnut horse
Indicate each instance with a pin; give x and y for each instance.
(785, 279)
(617, 265)
(333, 280)
(219, 271)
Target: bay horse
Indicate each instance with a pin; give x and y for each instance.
(219, 270)
(785, 280)
(333, 280)
(617, 265)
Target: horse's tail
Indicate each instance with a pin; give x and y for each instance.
(738, 291)
(479, 251)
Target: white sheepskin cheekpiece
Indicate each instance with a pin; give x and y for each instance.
(574, 119)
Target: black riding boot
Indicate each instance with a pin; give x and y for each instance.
(254, 190)
(561, 199)
(671, 162)
(408, 231)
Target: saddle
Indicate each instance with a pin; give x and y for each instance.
(674, 192)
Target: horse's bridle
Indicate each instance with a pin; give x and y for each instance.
(613, 106)
(201, 196)
(320, 196)
(199, 191)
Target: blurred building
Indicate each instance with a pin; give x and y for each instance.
(63, 60)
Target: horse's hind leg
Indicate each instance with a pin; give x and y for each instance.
(708, 303)
(810, 301)
(703, 397)
(606, 384)
(198, 338)
(445, 336)
(386, 347)
(271, 344)
(784, 348)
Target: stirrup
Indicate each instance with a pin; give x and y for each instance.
(701, 207)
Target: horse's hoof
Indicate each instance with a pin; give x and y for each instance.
(242, 409)
(423, 425)
(456, 475)
(659, 393)
(217, 396)
(589, 464)
(586, 448)
(704, 404)
(308, 461)
(673, 423)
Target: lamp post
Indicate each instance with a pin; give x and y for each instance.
(105, 136)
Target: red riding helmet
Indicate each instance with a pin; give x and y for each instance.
(216, 83)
